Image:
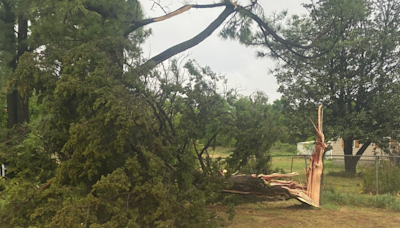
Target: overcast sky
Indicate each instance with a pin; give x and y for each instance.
(237, 62)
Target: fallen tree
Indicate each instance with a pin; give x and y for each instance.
(267, 186)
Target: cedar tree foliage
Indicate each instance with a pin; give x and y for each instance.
(114, 141)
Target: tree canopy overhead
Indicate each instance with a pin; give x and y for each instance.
(114, 139)
(357, 80)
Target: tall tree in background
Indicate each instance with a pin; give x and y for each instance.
(289, 45)
(357, 80)
(14, 43)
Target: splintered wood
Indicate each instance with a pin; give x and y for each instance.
(268, 185)
(312, 193)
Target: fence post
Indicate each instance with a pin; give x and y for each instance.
(376, 173)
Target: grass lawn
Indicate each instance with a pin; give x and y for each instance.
(292, 214)
(344, 205)
(334, 178)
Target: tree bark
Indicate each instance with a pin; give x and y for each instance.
(361, 151)
(349, 161)
(17, 106)
(17, 109)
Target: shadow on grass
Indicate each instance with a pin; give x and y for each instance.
(301, 206)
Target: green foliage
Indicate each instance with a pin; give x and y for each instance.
(131, 196)
(100, 150)
(351, 73)
(340, 78)
(255, 132)
(110, 147)
(280, 148)
(295, 122)
(388, 181)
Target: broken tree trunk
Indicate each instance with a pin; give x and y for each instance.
(266, 186)
(314, 172)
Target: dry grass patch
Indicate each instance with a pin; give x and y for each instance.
(293, 214)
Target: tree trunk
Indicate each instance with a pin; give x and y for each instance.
(17, 106)
(214, 143)
(17, 109)
(350, 163)
(316, 168)
(257, 188)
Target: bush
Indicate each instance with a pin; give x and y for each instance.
(388, 178)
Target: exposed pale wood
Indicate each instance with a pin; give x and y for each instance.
(176, 12)
(277, 175)
(314, 172)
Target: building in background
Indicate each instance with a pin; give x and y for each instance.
(307, 148)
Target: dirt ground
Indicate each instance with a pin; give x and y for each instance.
(293, 214)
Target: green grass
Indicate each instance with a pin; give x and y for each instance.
(291, 164)
(334, 177)
(362, 200)
(343, 200)
(282, 153)
(222, 152)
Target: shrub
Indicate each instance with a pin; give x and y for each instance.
(388, 178)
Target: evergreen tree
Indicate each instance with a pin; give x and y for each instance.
(356, 80)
